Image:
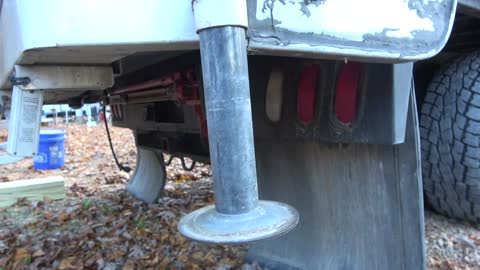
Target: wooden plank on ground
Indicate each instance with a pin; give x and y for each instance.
(32, 189)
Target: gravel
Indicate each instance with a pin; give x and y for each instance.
(451, 244)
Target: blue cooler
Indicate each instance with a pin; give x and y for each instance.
(51, 153)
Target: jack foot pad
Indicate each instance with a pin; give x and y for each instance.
(267, 220)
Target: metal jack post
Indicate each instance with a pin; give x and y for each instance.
(237, 216)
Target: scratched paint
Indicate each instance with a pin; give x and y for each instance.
(346, 19)
(300, 50)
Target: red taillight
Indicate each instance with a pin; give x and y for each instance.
(346, 92)
(306, 95)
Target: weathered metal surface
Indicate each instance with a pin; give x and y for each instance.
(268, 219)
(65, 81)
(229, 118)
(65, 77)
(361, 206)
(383, 29)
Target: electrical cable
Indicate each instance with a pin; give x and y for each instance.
(120, 166)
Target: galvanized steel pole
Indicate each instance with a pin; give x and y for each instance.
(229, 115)
(238, 216)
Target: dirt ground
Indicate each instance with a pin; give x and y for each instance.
(100, 226)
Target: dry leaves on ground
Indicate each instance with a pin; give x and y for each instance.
(101, 226)
(110, 230)
(88, 159)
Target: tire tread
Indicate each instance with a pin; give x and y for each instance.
(450, 137)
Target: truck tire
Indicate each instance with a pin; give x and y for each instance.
(450, 137)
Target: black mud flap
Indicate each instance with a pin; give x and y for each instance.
(361, 206)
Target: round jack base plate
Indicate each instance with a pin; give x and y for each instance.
(269, 219)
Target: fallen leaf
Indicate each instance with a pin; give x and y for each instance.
(21, 254)
(38, 253)
(129, 265)
(63, 217)
(136, 252)
(70, 263)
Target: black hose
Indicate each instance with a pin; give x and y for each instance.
(120, 166)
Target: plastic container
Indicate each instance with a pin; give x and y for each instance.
(51, 150)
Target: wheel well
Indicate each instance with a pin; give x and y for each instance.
(465, 38)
